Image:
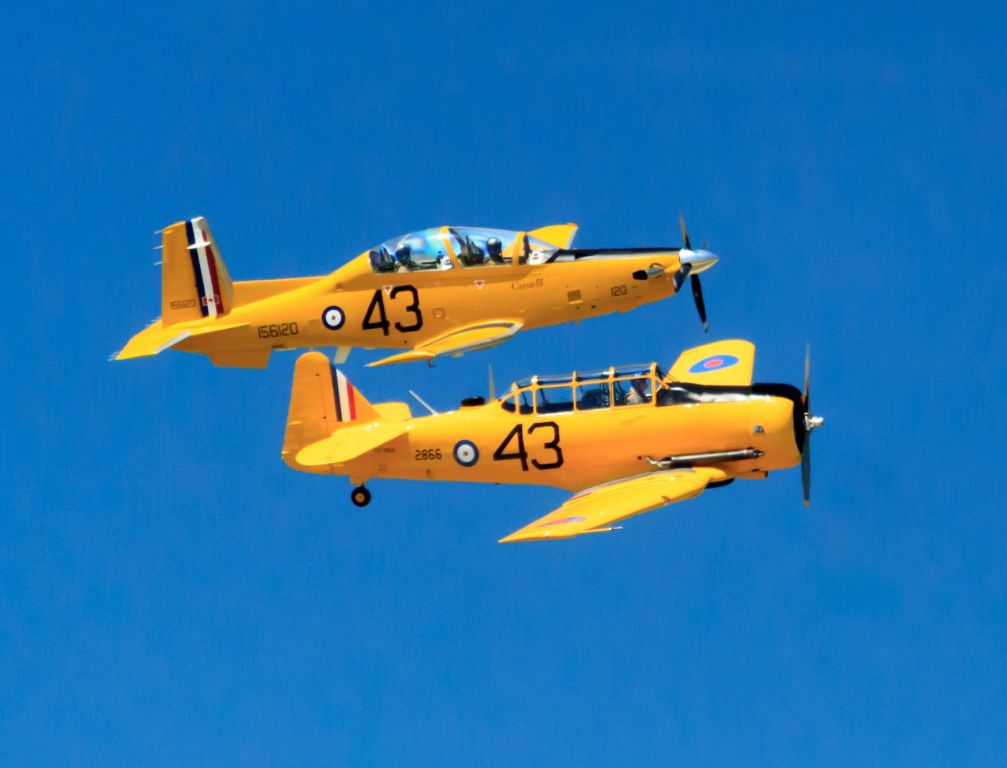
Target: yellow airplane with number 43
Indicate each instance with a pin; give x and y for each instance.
(440, 291)
(628, 439)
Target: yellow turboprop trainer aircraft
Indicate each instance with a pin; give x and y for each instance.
(627, 439)
(441, 291)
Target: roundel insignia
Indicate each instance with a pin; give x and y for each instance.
(466, 453)
(333, 318)
(713, 363)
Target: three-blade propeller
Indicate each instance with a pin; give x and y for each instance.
(811, 423)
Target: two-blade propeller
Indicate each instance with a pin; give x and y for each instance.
(810, 423)
(692, 263)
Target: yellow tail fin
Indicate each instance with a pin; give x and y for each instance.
(321, 400)
(194, 279)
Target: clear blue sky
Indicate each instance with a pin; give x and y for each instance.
(170, 593)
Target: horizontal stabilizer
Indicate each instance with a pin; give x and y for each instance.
(329, 420)
(350, 442)
(156, 338)
(469, 338)
(722, 363)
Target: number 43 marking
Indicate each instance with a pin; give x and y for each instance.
(517, 435)
(377, 305)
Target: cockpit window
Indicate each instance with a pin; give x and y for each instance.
(587, 390)
(525, 403)
(477, 247)
(554, 399)
(639, 369)
(633, 391)
(435, 248)
(545, 381)
(426, 250)
(591, 396)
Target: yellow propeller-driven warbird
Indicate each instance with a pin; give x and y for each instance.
(440, 291)
(627, 439)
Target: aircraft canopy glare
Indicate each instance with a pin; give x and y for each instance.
(440, 248)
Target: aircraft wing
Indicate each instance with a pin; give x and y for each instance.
(596, 509)
(349, 442)
(724, 363)
(467, 338)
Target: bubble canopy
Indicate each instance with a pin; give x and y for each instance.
(441, 248)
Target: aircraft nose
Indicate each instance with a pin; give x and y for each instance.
(698, 261)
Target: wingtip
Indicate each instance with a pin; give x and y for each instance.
(515, 537)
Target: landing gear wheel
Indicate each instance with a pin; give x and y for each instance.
(360, 496)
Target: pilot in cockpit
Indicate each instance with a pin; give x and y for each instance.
(404, 257)
(494, 250)
(382, 261)
(470, 254)
(638, 392)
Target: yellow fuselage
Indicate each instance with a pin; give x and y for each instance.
(579, 449)
(404, 309)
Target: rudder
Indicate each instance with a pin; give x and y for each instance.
(194, 279)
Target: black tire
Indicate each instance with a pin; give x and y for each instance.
(360, 496)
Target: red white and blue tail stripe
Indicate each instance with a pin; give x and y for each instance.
(346, 397)
(205, 255)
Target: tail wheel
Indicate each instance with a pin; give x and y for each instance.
(360, 496)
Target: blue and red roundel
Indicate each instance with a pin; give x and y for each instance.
(333, 318)
(466, 453)
(713, 363)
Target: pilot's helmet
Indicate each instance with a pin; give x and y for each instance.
(403, 253)
(494, 247)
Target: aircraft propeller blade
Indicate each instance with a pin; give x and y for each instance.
(806, 470)
(811, 423)
(680, 274)
(807, 376)
(703, 259)
(697, 296)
